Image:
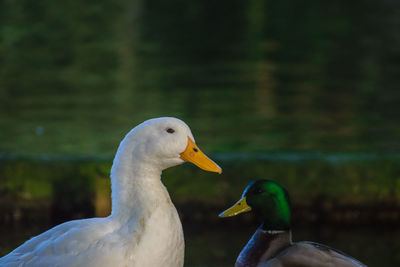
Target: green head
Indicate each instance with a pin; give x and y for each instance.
(269, 201)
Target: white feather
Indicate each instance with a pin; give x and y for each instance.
(143, 229)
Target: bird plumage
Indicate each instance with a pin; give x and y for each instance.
(271, 245)
(276, 249)
(144, 228)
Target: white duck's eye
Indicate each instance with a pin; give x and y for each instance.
(170, 130)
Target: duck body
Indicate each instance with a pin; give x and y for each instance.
(112, 241)
(271, 245)
(143, 229)
(276, 249)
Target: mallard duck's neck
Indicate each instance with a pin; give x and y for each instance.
(275, 216)
(263, 245)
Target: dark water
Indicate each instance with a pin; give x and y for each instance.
(249, 77)
(219, 245)
(350, 206)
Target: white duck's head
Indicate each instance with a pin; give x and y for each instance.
(163, 143)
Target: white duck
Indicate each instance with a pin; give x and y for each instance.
(144, 228)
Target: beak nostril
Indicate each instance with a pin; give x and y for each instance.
(194, 155)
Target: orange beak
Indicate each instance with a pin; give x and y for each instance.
(194, 155)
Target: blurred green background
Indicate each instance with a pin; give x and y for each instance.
(306, 93)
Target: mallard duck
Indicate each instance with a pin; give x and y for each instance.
(144, 228)
(271, 245)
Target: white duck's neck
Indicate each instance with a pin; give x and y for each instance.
(136, 186)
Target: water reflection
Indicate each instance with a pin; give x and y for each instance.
(249, 77)
(263, 76)
(215, 246)
(219, 245)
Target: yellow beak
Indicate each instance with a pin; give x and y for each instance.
(240, 207)
(194, 155)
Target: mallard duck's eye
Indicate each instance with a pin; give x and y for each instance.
(170, 130)
(258, 191)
